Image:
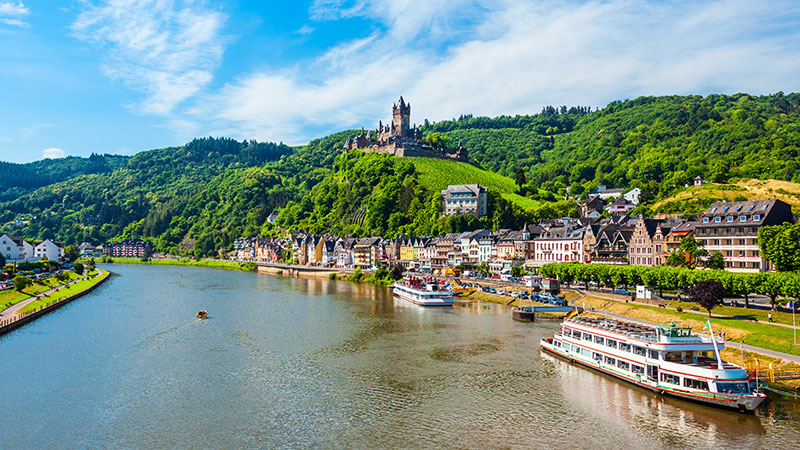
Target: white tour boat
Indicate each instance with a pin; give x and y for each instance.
(423, 292)
(670, 360)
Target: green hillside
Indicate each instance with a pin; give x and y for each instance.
(695, 199)
(436, 174)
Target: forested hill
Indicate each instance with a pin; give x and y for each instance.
(152, 184)
(198, 197)
(662, 142)
(20, 179)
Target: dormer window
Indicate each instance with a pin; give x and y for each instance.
(725, 209)
(705, 219)
(713, 210)
(764, 208)
(757, 217)
(742, 218)
(717, 219)
(751, 207)
(730, 218)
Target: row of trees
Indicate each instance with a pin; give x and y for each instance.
(771, 284)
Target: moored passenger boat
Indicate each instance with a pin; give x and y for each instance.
(670, 360)
(423, 291)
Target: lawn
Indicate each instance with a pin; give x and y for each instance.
(12, 297)
(62, 294)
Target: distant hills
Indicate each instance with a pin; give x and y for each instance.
(199, 197)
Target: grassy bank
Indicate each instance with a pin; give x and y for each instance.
(12, 297)
(63, 293)
(756, 334)
(216, 264)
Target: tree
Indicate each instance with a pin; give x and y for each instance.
(78, 268)
(21, 282)
(438, 140)
(2, 261)
(709, 294)
(519, 179)
(91, 265)
(781, 245)
(71, 253)
(716, 262)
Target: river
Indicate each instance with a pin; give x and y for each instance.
(288, 363)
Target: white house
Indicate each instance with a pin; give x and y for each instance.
(15, 248)
(48, 249)
(633, 195)
(560, 244)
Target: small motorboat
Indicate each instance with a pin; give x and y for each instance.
(203, 314)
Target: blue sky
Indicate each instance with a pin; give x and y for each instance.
(122, 76)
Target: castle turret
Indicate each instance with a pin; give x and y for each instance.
(401, 118)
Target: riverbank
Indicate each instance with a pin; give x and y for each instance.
(213, 263)
(38, 305)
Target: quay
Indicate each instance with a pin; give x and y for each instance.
(528, 313)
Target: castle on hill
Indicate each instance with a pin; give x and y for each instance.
(400, 139)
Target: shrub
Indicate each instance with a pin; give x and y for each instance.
(78, 268)
(21, 282)
(679, 309)
(332, 276)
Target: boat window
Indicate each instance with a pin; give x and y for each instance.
(586, 352)
(671, 379)
(695, 384)
(624, 347)
(610, 360)
(597, 356)
(623, 365)
(611, 343)
(639, 350)
(598, 339)
(653, 354)
(587, 337)
(575, 348)
(732, 388)
(637, 369)
(672, 357)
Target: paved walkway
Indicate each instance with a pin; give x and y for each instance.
(12, 310)
(729, 344)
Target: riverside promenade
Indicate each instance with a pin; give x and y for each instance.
(12, 317)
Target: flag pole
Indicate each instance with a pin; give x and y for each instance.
(716, 350)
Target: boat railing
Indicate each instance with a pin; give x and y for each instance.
(695, 339)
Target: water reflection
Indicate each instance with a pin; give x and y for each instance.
(294, 362)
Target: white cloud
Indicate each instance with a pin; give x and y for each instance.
(165, 49)
(305, 29)
(15, 23)
(13, 9)
(9, 12)
(493, 57)
(53, 153)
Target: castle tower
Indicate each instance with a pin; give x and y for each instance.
(401, 118)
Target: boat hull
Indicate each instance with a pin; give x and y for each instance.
(422, 302)
(736, 402)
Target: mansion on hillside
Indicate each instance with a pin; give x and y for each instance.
(401, 139)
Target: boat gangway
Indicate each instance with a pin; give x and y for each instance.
(528, 313)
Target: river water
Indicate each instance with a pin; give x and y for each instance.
(304, 363)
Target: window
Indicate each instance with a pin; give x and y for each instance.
(717, 219)
(756, 217)
(713, 210)
(705, 219)
(624, 347)
(611, 343)
(742, 218)
(623, 365)
(639, 350)
(730, 218)
(695, 384)
(599, 340)
(671, 379)
(764, 208)
(637, 369)
(611, 361)
(653, 354)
